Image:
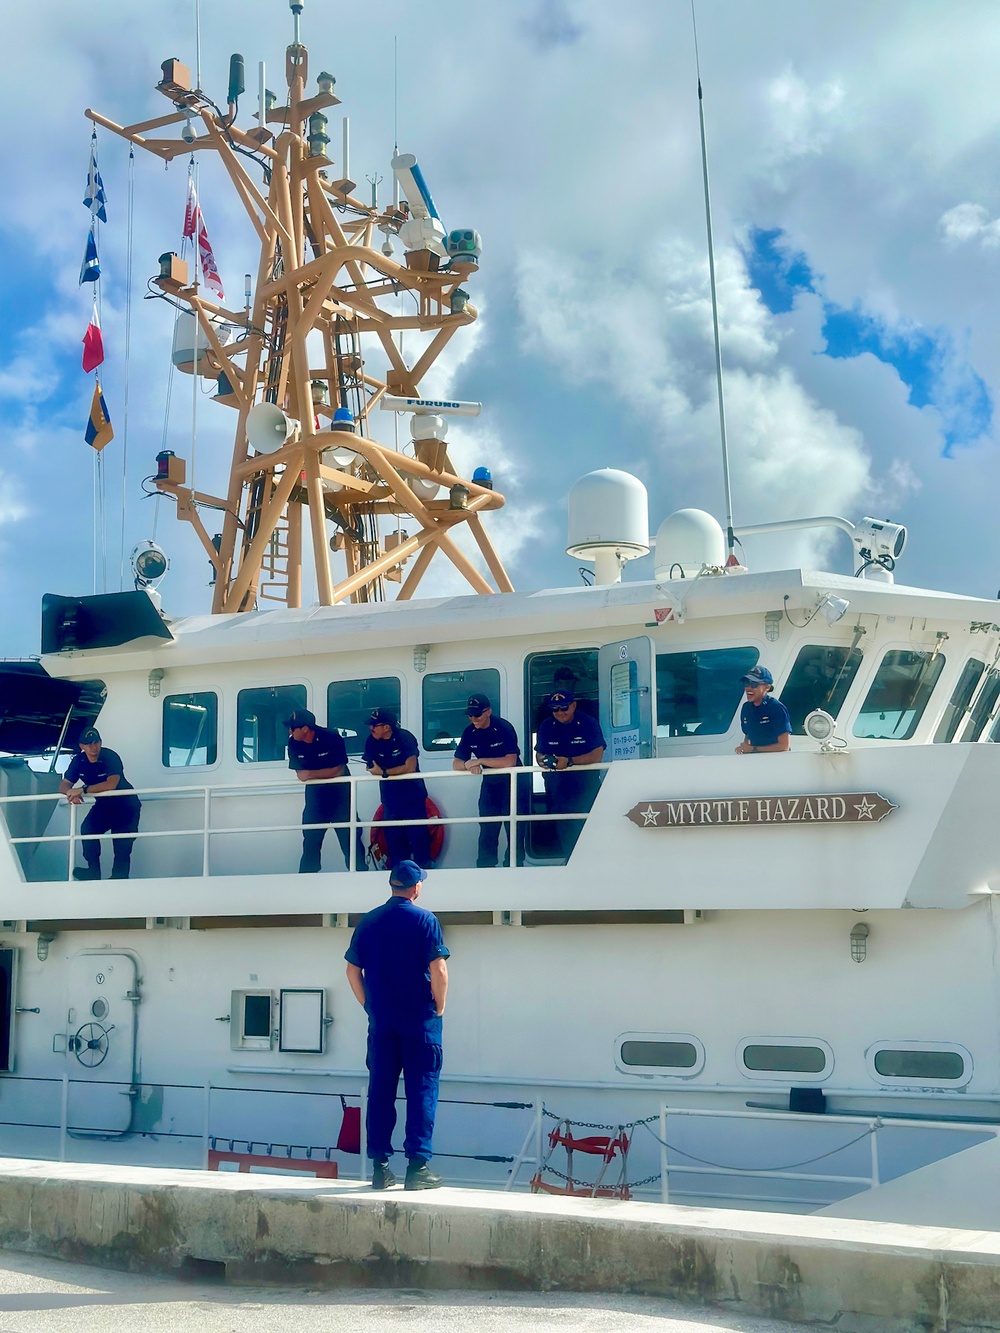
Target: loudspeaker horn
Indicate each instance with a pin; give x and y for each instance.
(268, 428)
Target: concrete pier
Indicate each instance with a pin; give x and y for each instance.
(856, 1276)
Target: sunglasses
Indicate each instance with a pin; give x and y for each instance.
(563, 710)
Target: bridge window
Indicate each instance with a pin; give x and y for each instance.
(982, 709)
(920, 1065)
(446, 698)
(190, 730)
(697, 694)
(761, 1058)
(349, 704)
(260, 735)
(820, 678)
(899, 695)
(951, 718)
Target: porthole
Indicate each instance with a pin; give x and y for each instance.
(923, 1064)
(785, 1059)
(100, 1008)
(671, 1054)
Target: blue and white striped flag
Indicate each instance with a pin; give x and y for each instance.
(95, 198)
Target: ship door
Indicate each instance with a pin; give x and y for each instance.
(102, 1019)
(625, 692)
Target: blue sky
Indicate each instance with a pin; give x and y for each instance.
(931, 362)
(853, 159)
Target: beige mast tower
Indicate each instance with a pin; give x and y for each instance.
(316, 351)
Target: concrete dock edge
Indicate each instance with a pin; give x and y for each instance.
(857, 1277)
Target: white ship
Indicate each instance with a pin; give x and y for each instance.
(768, 980)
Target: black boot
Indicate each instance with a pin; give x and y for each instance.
(419, 1176)
(382, 1177)
(87, 872)
(120, 868)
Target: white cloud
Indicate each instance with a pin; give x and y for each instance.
(970, 222)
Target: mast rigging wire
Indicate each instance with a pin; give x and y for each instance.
(130, 212)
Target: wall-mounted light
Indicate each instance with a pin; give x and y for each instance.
(420, 651)
(42, 947)
(153, 682)
(772, 625)
(833, 608)
(859, 942)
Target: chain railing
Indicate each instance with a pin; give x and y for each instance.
(360, 785)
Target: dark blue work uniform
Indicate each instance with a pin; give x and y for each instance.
(762, 724)
(402, 798)
(111, 814)
(394, 946)
(326, 803)
(497, 738)
(570, 791)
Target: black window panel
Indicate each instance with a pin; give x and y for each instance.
(7, 957)
(965, 688)
(257, 1015)
(446, 698)
(920, 1064)
(899, 694)
(982, 709)
(349, 704)
(260, 735)
(820, 678)
(697, 694)
(573, 669)
(785, 1059)
(190, 730)
(660, 1054)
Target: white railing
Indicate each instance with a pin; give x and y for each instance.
(869, 1127)
(359, 784)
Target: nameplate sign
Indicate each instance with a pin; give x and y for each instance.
(730, 811)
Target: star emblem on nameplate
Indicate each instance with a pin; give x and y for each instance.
(865, 808)
(649, 815)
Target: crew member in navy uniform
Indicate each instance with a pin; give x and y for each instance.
(764, 719)
(315, 753)
(396, 968)
(566, 740)
(489, 743)
(100, 770)
(391, 751)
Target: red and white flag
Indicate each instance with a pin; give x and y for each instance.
(93, 343)
(194, 226)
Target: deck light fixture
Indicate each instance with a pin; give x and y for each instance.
(154, 680)
(859, 942)
(833, 608)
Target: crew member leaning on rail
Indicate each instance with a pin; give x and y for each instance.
(100, 771)
(566, 740)
(764, 719)
(487, 744)
(315, 753)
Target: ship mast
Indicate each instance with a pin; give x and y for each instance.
(316, 351)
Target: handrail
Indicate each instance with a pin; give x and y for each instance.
(207, 793)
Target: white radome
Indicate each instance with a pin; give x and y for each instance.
(689, 538)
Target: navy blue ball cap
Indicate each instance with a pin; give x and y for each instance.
(90, 736)
(758, 675)
(477, 705)
(561, 699)
(300, 717)
(382, 717)
(406, 874)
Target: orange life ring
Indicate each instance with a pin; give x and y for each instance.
(377, 844)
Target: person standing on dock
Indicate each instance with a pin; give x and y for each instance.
(390, 752)
(764, 721)
(569, 739)
(101, 771)
(315, 753)
(487, 744)
(397, 970)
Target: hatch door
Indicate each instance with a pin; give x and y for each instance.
(101, 1041)
(625, 672)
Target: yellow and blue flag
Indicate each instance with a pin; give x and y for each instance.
(99, 430)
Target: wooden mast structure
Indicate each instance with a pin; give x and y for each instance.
(324, 298)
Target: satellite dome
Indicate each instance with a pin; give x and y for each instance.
(688, 538)
(608, 521)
